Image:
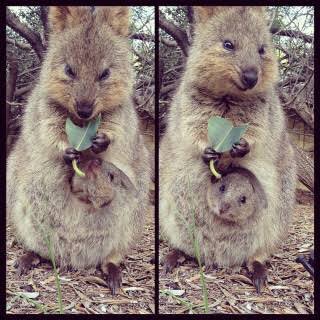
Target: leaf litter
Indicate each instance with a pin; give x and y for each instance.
(84, 291)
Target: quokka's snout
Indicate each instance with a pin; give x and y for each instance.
(249, 77)
(84, 108)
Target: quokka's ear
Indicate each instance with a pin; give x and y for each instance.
(62, 17)
(203, 13)
(259, 9)
(116, 17)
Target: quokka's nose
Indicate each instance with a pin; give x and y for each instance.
(84, 109)
(224, 208)
(249, 78)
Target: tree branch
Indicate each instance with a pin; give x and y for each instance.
(168, 88)
(179, 35)
(44, 19)
(168, 42)
(21, 91)
(291, 33)
(141, 36)
(24, 31)
(20, 45)
(10, 84)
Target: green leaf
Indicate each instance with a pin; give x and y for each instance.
(80, 138)
(222, 134)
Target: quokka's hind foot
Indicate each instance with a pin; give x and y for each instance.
(113, 277)
(210, 267)
(27, 262)
(173, 259)
(258, 275)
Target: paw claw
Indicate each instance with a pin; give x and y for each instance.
(259, 276)
(71, 154)
(209, 154)
(100, 143)
(240, 149)
(113, 278)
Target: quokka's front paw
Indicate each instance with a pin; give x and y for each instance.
(240, 149)
(209, 154)
(100, 143)
(71, 154)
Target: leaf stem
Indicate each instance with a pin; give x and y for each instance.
(76, 169)
(213, 170)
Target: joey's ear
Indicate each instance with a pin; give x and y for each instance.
(116, 17)
(63, 17)
(203, 13)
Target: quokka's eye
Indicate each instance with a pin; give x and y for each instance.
(243, 199)
(262, 50)
(228, 45)
(222, 188)
(104, 75)
(69, 72)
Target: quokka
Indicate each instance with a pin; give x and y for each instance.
(86, 72)
(231, 72)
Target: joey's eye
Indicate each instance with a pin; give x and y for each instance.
(104, 204)
(222, 188)
(104, 75)
(69, 72)
(243, 199)
(262, 50)
(228, 45)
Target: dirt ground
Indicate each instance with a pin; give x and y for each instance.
(290, 288)
(84, 292)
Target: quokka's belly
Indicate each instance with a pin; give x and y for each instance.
(85, 238)
(225, 247)
(83, 251)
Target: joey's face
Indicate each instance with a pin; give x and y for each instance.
(89, 66)
(233, 53)
(96, 187)
(231, 198)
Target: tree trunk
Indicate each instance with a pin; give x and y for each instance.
(305, 168)
(11, 80)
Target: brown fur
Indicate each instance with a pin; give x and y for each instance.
(225, 194)
(211, 86)
(40, 199)
(102, 184)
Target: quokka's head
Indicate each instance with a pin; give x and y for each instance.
(87, 69)
(236, 196)
(96, 188)
(232, 52)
